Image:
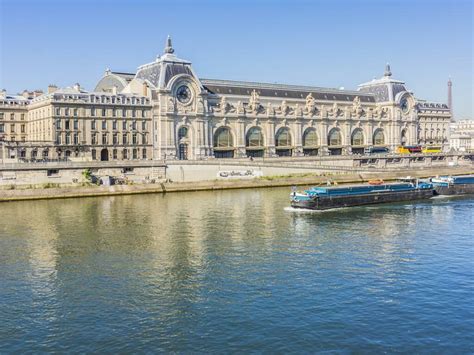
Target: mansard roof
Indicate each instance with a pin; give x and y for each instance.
(114, 79)
(385, 88)
(166, 66)
(431, 106)
(78, 94)
(245, 88)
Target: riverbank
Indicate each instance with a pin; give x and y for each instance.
(49, 192)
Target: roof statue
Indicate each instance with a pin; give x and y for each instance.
(387, 70)
(169, 46)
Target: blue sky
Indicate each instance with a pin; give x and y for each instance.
(338, 43)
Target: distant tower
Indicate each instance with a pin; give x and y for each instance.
(450, 96)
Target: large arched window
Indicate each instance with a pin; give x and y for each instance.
(223, 143)
(357, 137)
(283, 138)
(223, 138)
(310, 138)
(379, 138)
(254, 137)
(334, 137)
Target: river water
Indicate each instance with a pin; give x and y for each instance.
(233, 271)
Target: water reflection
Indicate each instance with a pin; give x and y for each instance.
(205, 270)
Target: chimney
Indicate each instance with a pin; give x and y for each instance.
(52, 88)
(114, 90)
(77, 87)
(145, 89)
(37, 93)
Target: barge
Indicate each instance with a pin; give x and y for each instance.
(453, 185)
(329, 197)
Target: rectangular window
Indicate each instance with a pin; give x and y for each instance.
(58, 124)
(104, 138)
(2, 128)
(133, 113)
(124, 138)
(67, 124)
(144, 139)
(94, 155)
(58, 111)
(104, 112)
(76, 139)
(2, 115)
(143, 113)
(143, 125)
(104, 125)
(75, 112)
(144, 153)
(124, 154)
(134, 154)
(58, 138)
(124, 112)
(68, 138)
(115, 138)
(76, 124)
(22, 116)
(134, 125)
(114, 112)
(12, 116)
(66, 111)
(12, 128)
(114, 125)
(93, 138)
(93, 124)
(134, 138)
(92, 111)
(114, 154)
(124, 125)
(22, 128)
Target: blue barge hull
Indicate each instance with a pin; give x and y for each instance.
(323, 198)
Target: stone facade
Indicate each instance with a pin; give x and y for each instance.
(462, 136)
(187, 117)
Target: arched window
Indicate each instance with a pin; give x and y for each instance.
(357, 137)
(310, 138)
(223, 138)
(254, 137)
(183, 132)
(379, 138)
(283, 138)
(404, 137)
(334, 137)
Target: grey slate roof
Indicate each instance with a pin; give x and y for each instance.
(229, 87)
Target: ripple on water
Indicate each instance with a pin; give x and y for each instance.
(235, 271)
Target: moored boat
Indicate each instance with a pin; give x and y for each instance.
(453, 185)
(328, 197)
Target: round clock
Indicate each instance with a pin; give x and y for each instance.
(183, 94)
(404, 105)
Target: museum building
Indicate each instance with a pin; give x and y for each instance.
(165, 111)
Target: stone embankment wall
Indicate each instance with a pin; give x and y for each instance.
(276, 181)
(139, 172)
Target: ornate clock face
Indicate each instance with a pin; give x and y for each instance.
(404, 105)
(183, 94)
